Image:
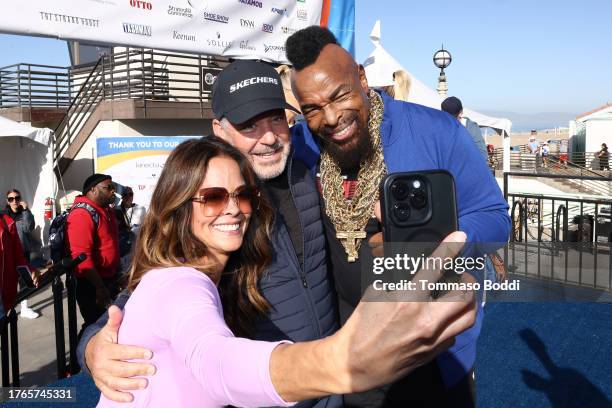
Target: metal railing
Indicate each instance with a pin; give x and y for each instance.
(32, 85)
(146, 75)
(9, 328)
(560, 238)
(578, 178)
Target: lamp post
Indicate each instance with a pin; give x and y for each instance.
(442, 59)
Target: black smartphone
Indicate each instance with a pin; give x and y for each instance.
(419, 208)
(26, 276)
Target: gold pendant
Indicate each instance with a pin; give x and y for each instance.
(350, 242)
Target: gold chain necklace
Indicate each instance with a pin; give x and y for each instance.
(351, 217)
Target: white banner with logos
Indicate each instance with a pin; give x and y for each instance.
(231, 28)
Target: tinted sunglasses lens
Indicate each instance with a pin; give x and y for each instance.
(10, 199)
(246, 198)
(215, 200)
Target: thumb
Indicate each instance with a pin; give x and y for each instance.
(115, 316)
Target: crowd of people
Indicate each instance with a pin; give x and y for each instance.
(241, 284)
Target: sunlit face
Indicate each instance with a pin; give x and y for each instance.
(223, 233)
(264, 140)
(333, 98)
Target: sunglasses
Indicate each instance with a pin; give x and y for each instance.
(11, 199)
(215, 199)
(109, 187)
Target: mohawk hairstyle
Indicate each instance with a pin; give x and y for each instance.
(304, 46)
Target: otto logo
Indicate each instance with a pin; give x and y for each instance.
(247, 23)
(302, 15)
(280, 12)
(267, 28)
(141, 4)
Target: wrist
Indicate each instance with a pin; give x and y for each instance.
(335, 364)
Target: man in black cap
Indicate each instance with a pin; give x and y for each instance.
(454, 107)
(91, 228)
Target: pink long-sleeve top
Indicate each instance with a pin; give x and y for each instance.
(177, 313)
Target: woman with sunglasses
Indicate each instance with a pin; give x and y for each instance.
(201, 249)
(17, 209)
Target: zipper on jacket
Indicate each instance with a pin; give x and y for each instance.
(313, 308)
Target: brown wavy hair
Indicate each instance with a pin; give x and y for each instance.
(166, 240)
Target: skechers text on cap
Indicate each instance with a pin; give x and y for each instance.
(245, 89)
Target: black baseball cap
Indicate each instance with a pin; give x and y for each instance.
(244, 89)
(93, 180)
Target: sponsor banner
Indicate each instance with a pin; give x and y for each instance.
(255, 29)
(135, 161)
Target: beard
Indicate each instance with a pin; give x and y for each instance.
(268, 171)
(350, 154)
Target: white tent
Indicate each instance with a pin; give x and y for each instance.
(379, 68)
(26, 163)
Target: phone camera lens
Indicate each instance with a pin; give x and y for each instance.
(401, 212)
(399, 189)
(418, 199)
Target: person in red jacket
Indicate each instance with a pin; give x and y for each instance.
(96, 236)
(11, 256)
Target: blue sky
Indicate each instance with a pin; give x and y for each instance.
(524, 56)
(508, 55)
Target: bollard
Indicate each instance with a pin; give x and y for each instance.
(72, 320)
(58, 310)
(4, 351)
(14, 347)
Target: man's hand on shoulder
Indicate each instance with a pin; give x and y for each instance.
(106, 361)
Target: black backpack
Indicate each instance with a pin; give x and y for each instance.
(57, 230)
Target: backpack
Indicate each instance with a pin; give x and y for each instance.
(57, 230)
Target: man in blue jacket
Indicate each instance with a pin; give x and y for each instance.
(362, 134)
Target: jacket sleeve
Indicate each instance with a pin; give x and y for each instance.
(80, 238)
(233, 371)
(17, 246)
(483, 211)
(28, 220)
(93, 329)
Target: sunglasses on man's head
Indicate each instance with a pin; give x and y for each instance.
(215, 199)
(11, 199)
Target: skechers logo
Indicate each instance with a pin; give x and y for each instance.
(273, 48)
(138, 29)
(217, 18)
(253, 3)
(267, 28)
(252, 81)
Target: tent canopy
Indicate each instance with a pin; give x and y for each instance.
(26, 163)
(9, 128)
(380, 66)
